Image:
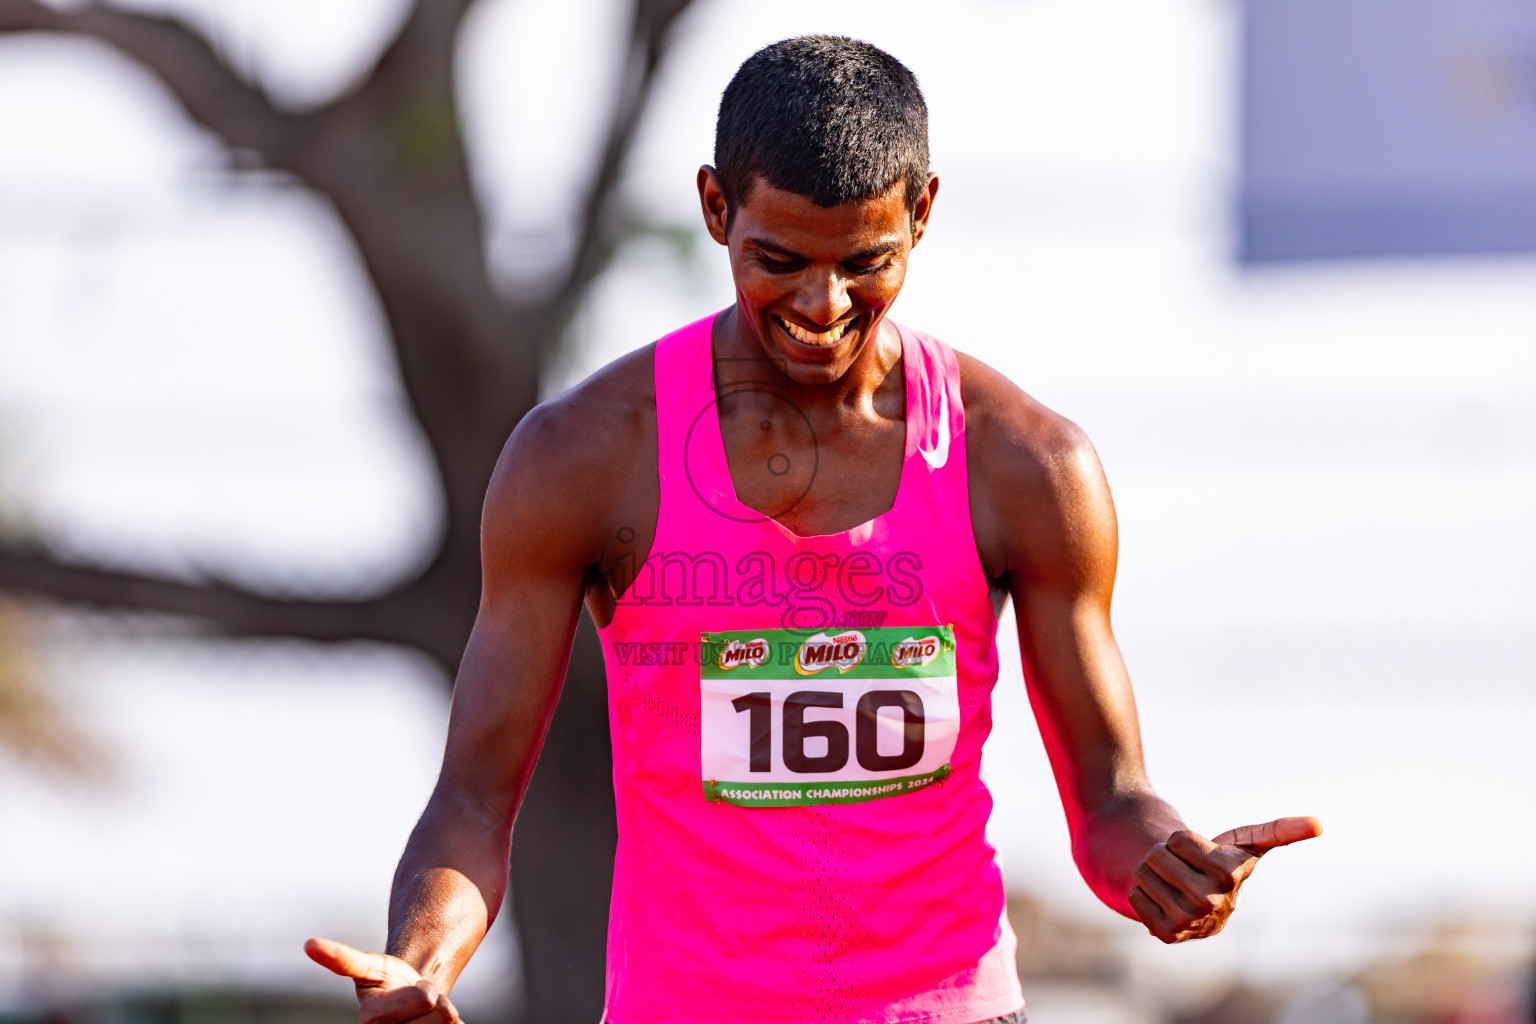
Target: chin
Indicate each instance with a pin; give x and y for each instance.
(809, 363)
(813, 375)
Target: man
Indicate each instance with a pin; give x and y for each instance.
(795, 523)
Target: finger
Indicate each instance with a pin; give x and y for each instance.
(442, 1013)
(393, 1006)
(1151, 915)
(1225, 867)
(1260, 839)
(1178, 907)
(1198, 852)
(338, 957)
(1197, 884)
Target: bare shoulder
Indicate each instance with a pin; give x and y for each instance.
(1038, 493)
(598, 422)
(575, 460)
(1012, 426)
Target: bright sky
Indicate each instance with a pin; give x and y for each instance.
(1325, 476)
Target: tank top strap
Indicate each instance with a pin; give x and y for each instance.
(935, 411)
(684, 387)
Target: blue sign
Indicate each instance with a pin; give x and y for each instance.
(1387, 127)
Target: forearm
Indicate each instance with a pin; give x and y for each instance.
(1081, 696)
(1110, 840)
(448, 887)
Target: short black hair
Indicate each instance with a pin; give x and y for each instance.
(826, 117)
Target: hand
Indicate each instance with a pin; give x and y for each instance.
(1187, 887)
(389, 990)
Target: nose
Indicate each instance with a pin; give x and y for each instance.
(823, 298)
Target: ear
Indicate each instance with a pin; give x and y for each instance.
(923, 208)
(712, 200)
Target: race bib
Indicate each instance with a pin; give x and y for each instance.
(839, 717)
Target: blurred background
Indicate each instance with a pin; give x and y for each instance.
(277, 278)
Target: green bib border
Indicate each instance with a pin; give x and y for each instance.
(805, 794)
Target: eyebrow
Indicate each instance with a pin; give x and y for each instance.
(877, 250)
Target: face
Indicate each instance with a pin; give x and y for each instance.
(813, 283)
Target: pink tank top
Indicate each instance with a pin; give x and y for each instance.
(797, 730)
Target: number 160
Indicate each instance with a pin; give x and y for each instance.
(797, 730)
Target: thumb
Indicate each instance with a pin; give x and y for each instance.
(367, 969)
(1260, 839)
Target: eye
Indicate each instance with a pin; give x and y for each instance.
(775, 266)
(871, 265)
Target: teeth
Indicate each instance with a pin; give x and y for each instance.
(830, 337)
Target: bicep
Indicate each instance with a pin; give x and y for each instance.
(1063, 549)
(535, 556)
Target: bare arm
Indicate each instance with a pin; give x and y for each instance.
(1046, 532)
(1046, 526)
(535, 557)
(1077, 682)
(546, 513)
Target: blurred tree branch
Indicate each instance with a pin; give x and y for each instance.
(209, 90)
(600, 230)
(233, 610)
(388, 155)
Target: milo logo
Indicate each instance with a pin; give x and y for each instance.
(912, 652)
(821, 652)
(743, 652)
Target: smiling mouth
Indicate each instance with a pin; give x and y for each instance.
(825, 339)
